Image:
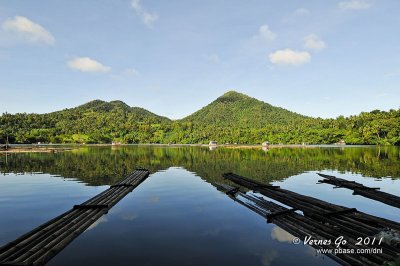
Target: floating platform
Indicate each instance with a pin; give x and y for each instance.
(43, 243)
(360, 189)
(321, 220)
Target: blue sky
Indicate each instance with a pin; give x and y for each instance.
(318, 58)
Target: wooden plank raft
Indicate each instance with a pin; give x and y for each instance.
(360, 189)
(43, 243)
(346, 218)
(301, 226)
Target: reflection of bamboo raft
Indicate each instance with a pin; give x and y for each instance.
(360, 189)
(320, 219)
(43, 243)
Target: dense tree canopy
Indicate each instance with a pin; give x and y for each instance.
(232, 118)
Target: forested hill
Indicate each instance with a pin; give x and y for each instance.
(239, 110)
(136, 114)
(94, 122)
(231, 118)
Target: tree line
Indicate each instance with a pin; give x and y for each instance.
(376, 127)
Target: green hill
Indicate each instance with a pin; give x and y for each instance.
(102, 106)
(233, 118)
(94, 122)
(99, 106)
(239, 110)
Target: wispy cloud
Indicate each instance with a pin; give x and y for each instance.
(28, 30)
(126, 73)
(393, 73)
(213, 58)
(129, 216)
(266, 33)
(130, 72)
(289, 57)
(281, 235)
(302, 11)
(86, 64)
(102, 219)
(147, 18)
(295, 15)
(383, 94)
(354, 5)
(313, 42)
(154, 199)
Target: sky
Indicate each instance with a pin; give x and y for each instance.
(318, 58)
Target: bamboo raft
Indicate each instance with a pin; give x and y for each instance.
(319, 219)
(43, 243)
(360, 189)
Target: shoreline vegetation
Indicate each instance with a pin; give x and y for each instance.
(55, 148)
(231, 118)
(33, 149)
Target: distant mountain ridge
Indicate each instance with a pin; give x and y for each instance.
(231, 109)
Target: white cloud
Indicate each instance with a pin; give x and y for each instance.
(147, 18)
(266, 33)
(86, 64)
(301, 11)
(28, 30)
(354, 5)
(289, 57)
(312, 42)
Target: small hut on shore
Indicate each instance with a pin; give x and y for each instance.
(265, 144)
(341, 142)
(212, 143)
(6, 146)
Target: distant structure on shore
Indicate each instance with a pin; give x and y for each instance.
(6, 146)
(115, 143)
(212, 143)
(340, 142)
(265, 144)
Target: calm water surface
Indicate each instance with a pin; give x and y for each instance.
(177, 216)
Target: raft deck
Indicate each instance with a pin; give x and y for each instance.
(43, 243)
(360, 189)
(319, 219)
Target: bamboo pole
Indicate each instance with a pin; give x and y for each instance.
(312, 206)
(302, 226)
(360, 189)
(44, 242)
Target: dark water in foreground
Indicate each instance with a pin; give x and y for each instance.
(177, 216)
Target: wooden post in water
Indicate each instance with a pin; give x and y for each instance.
(7, 143)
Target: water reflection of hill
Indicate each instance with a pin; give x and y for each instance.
(103, 165)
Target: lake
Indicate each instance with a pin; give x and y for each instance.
(177, 216)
